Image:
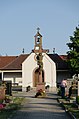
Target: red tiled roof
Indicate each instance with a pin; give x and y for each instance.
(17, 63)
(64, 57)
(5, 60)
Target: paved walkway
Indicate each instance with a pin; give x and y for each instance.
(40, 108)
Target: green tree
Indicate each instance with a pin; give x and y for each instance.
(73, 53)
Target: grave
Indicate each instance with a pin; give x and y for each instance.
(8, 87)
(78, 84)
(77, 98)
(69, 83)
(2, 93)
(72, 87)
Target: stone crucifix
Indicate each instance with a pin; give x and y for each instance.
(38, 50)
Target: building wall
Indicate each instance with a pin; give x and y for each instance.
(15, 77)
(27, 71)
(29, 66)
(50, 71)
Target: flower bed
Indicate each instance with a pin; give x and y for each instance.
(40, 93)
(71, 108)
(10, 107)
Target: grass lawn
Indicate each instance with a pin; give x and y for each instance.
(11, 108)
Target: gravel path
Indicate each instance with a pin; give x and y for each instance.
(40, 108)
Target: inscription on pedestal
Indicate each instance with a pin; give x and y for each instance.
(41, 86)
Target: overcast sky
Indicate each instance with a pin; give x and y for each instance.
(19, 20)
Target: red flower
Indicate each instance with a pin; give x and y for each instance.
(1, 106)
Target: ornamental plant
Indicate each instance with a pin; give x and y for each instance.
(77, 100)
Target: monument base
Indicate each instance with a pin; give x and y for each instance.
(40, 90)
(40, 86)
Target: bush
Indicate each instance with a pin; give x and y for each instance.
(77, 99)
(28, 88)
(47, 87)
(59, 91)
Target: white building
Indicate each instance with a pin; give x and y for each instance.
(23, 69)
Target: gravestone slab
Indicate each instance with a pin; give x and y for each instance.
(78, 87)
(2, 93)
(74, 92)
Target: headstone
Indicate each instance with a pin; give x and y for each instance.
(2, 93)
(77, 98)
(78, 84)
(78, 87)
(8, 87)
(69, 83)
(74, 88)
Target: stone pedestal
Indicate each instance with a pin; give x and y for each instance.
(40, 86)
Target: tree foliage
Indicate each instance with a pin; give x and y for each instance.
(73, 53)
